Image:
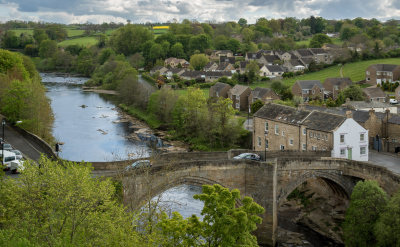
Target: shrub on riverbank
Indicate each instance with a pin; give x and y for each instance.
(23, 96)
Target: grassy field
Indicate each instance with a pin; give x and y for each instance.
(22, 30)
(206, 92)
(306, 42)
(356, 72)
(85, 41)
(74, 32)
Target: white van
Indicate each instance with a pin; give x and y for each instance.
(8, 158)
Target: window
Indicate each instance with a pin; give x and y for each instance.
(362, 137)
(276, 129)
(266, 143)
(259, 141)
(282, 147)
(367, 72)
(304, 131)
(311, 134)
(318, 136)
(314, 148)
(266, 127)
(283, 133)
(326, 137)
(313, 91)
(342, 152)
(291, 141)
(237, 105)
(304, 146)
(363, 150)
(341, 138)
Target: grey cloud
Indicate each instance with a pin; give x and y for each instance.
(35, 5)
(342, 9)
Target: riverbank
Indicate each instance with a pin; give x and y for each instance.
(97, 90)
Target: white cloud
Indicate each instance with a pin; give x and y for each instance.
(139, 11)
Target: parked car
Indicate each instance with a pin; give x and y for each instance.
(247, 156)
(138, 164)
(7, 159)
(7, 146)
(17, 166)
(17, 153)
(393, 101)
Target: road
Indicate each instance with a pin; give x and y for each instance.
(29, 150)
(390, 161)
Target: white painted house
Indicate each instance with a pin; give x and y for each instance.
(350, 141)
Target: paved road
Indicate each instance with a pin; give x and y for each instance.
(29, 150)
(387, 160)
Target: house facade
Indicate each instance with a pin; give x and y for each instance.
(378, 73)
(220, 90)
(308, 90)
(374, 94)
(333, 86)
(271, 71)
(278, 127)
(239, 95)
(173, 62)
(397, 93)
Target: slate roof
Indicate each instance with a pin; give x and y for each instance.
(192, 74)
(296, 62)
(317, 50)
(363, 104)
(307, 60)
(271, 58)
(231, 60)
(384, 67)
(305, 52)
(309, 84)
(323, 121)
(218, 73)
(259, 92)
(243, 64)
(374, 92)
(274, 68)
(209, 65)
(238, 89)
(219, 86)
(282, 113)
(222, 66)
(175, 70)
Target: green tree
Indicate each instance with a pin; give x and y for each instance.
(14, 101)
(387, 228)
(354, 93)
(198, 61)
(199, 42)
(242, 22)
(156, 52)
(35, 209)
(255, 106)
(39, 35)
(367, 202)
(56, 32)
(318, 40)
(233, 45)
(85, 63)
(130, 38)
(177, 50)
(48, 48)
(10, 40)
(252, 71)
(224, 223)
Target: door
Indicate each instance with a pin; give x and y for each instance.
(349, 153)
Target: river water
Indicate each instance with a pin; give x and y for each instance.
(87, 123)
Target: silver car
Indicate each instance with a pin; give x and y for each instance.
(247, 156)
(138, 164)
(7, 147)
(17, 153)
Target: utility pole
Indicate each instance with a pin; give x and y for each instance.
(3, 123)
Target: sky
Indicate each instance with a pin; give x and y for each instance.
(141, 11)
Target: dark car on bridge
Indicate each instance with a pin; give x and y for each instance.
(247, 156)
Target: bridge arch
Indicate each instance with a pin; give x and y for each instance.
(336, 180)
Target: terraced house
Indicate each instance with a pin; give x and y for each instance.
(278, 127)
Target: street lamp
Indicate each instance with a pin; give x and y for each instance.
(3, 123)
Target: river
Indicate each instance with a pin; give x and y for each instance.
(88, 125)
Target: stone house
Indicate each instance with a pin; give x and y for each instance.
(239, 95)
(263, 94)
(378, 73)
(374, 94)
(220, 90)
(321, 56)
(211, 76)
(308, 90)
(224, 59)
(271, 71)
(210, 66)
(278, 127)
(225, 66)
(397, 93)
(173, 71)
(173, 62)
(242, 66)
(216, 54)
(293, 65)
(333, 86)
(366, 106)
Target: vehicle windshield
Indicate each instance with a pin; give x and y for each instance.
(243, 155)
(10, 158)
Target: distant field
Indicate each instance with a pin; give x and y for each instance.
(306, 42)
(22, 30)
(356, 72)
(85, 41)
(74, 32)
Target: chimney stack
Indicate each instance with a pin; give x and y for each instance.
(349, 114)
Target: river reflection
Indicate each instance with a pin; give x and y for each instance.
(88, 125)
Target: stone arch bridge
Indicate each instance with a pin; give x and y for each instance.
(268, 182)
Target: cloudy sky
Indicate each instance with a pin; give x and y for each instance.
(139, 11)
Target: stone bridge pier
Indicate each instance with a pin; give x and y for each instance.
(268, 183)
